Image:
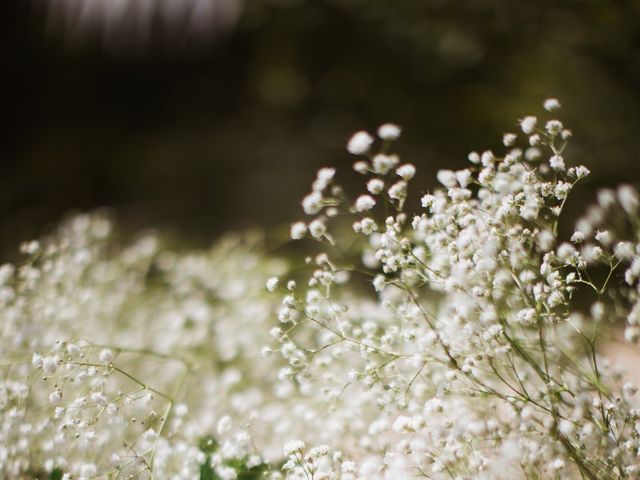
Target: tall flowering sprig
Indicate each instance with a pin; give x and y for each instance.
(472, 347)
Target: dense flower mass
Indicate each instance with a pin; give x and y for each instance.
(458, 337)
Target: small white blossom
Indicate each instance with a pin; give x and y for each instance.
(106, 356)
(557, 163)
(447, 178)
(364, 203)
(551, 104)
(298, 230)
(509, 139)
(272, 284)
(375, 186)
(553, 127)
(312, 203)
(528, 124)
(294, 446)
(359, 143)
(628, 198)
(361, 167)
(389, 131)
(317, 228)
(224, 425)
(406, 171)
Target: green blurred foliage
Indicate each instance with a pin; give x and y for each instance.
(202, 138)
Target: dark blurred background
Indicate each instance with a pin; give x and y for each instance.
(199, 116)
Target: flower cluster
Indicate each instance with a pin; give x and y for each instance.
(136, 361)
(462, 337)
(474, 348)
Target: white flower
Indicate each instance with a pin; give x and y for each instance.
(298, 230)
(224, 424)
(364, 203)
(55, 396)
(532, 154)
(427, 200)
(463, 177)
(447, 178)
(106, 356)
(628, 198)
(508, 139)
(581, 171)
(402, 424)
(375, 186)
(379, 282)
(359, 143)
(557, 163)
(604, 237)
(389, 131)
(312, 203)
(30, 248)
(36, 360)
(406, 171)
(528, 124)
(294, 446)
(50, 364)
(361, 167)
(398, 190)
(474, 158)
(99, 398)
(577, 237)
(487, 158)
(181, 410)
(317, 228)
(383, 163)
(551, 104)
(272, 284)
(553, 127)
(150, 434)
(323, 179)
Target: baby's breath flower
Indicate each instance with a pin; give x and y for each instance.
(294, 446)
(509, 139)
(398, 190)
(528, 124)
(406, 171)
(474, 158)
(532, 154)
(628, 198)
(106, 356)
(224, 424)
(551, 104)
(383, 163)
(272, 284)
(317, 228)
(557, 163)
(553, 127)
(360, 143)
(389, 131)
(323, 179)
(50, 364)
(364, 203)
(298, 230)
(447, 178)
(375, 186)
(361, 167)
(312, 203)
(577, 237)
